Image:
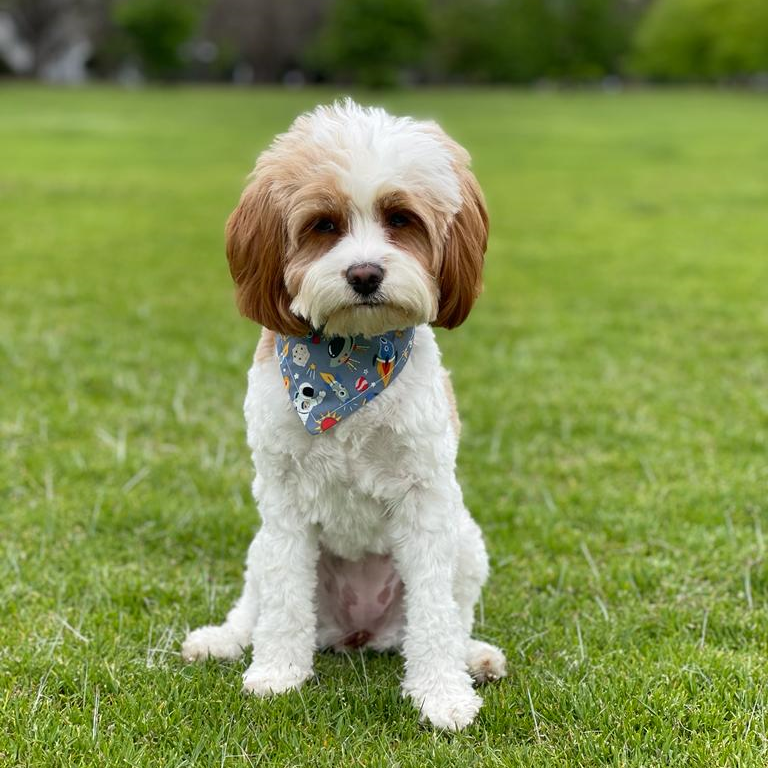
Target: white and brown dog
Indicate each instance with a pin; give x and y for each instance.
(357, 224)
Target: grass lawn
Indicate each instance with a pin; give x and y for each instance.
(613, 382)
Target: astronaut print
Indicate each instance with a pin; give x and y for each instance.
(352, 370)
(305, 399)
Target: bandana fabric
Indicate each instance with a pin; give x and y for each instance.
(328, 379)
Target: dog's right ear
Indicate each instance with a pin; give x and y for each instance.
(461, 271)
(256, 245)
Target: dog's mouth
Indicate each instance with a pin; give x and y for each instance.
(342, 312)
(376, 300)
(370, 316)
(373, 300)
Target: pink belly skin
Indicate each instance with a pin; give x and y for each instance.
(359, 603)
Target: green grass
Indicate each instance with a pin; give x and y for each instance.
(613, 382)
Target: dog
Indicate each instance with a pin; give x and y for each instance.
(356, 232)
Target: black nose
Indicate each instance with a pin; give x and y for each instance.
(365, 278)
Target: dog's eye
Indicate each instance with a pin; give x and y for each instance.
(324, 225)
(398, 220)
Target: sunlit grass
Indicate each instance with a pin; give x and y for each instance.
(613, 383)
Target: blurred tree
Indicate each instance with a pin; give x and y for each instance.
(372, 41)
(52, 27)
(489, 40)
(522, 40)
(380, 42)
(268, 37)
(592, 37)
(703, 39)
(155, 31)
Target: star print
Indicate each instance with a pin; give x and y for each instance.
(365, 371)
(295, 375)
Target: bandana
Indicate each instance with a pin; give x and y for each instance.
(328, 379)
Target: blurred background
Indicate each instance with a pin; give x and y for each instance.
(380, 43)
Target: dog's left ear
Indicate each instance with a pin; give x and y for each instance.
(460, 277)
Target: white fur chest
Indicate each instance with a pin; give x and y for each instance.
(347, 480)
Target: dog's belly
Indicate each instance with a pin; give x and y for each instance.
(360, 602)
(359, 592)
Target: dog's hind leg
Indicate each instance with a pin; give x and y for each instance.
(485, 662)
(230, 639)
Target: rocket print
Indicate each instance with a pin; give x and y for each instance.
(385, 360)
(282, 352)
(338, 388)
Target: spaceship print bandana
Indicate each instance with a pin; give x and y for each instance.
(328, 379)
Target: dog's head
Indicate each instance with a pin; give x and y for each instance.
(357, 222)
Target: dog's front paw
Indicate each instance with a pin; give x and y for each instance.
(217, 642)
(451, 707)
(267, 681)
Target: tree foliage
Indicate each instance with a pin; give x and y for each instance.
(372, 41)
(523, 40)
(703, 39)
(156, 30)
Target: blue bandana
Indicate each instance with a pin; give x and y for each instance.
(329, 379)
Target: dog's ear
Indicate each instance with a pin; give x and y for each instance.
(256, 245)
(460, 277)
